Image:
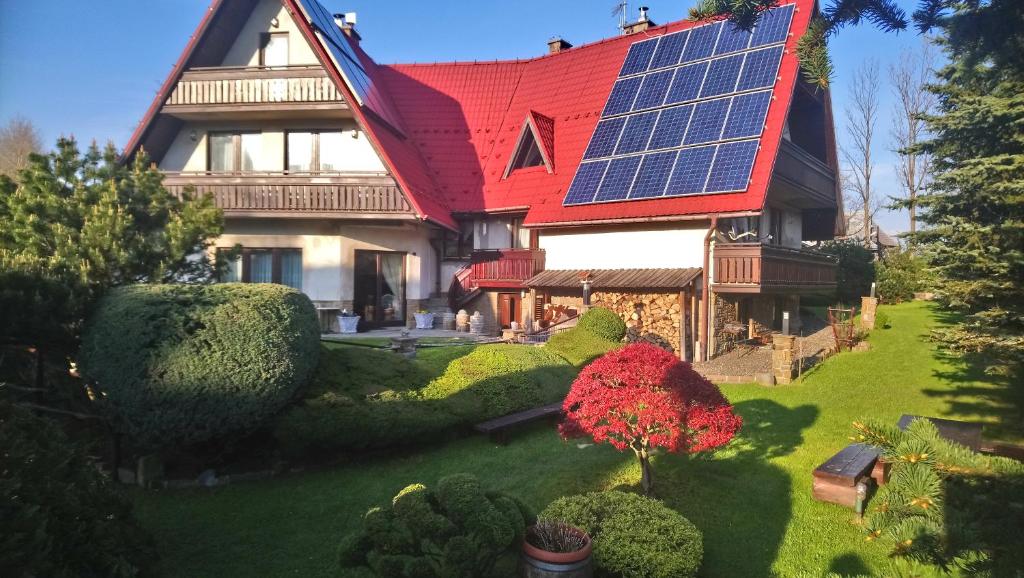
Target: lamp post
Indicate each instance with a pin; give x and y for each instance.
(586, 281)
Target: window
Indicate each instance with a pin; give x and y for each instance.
(459, 245)
(274, 49)
(282, 266)
(527, 152)
(234, 152)
(316, 151)
(775, 226)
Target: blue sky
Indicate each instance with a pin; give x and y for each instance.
(92, 68)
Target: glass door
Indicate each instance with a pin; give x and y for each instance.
(380, 287)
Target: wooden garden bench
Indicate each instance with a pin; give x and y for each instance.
(844, 475)
(498, 428)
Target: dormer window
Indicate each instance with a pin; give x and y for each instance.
(533, 148)
(274, 49)
(528, 154)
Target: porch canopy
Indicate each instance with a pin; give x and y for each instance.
(606, 279)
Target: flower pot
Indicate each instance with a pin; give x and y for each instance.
(538, 563)
(424, 320)
(348, 324)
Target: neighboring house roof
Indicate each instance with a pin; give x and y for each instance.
(460, 123)
(616, 278)
(879, 238)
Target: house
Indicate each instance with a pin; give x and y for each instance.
(670, 173)
(879, 241)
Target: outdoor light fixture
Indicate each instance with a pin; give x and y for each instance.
(274, 22)
(193, 136)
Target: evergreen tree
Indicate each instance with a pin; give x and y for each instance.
(77, 224)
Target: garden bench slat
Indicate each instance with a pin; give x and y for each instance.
(498, 427)
(849, 465)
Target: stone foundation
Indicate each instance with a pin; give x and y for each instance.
(783, 357)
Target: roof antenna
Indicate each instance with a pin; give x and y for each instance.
(620, 11)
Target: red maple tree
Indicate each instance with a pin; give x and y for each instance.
(642, 397)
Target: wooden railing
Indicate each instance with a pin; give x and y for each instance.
(259, 85)
(260, 193)
(755, 268)
(505, 267)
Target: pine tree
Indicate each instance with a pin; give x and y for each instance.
(77, 224)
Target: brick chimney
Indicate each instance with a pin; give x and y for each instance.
(557, 44)
(643, 23)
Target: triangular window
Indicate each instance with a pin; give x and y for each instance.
(530, 151)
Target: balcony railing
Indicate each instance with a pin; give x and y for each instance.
(253, 86)
(263, 194)
(505, 267)
(758, 268)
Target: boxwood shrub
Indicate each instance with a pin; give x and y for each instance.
(633, 536)
(347, 410)
(459, 529)
(603, 323)
(579, 346)
(181, 364)
(61, 517)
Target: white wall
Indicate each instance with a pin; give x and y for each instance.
(245, 50)
(676, 247)
(498, 233)
(185, 154)
(328, 251)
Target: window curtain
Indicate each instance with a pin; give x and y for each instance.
(261, 267)
(233, 272)
(291, 269)
(391, 269)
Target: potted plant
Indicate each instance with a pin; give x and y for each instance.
(348, 322)
(554, 548)
(424, 319)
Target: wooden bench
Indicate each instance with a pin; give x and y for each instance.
(498, 428)
(845, 475)
(962, 432)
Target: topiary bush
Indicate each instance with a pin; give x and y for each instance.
(603, 323)
(61, 517)
(456, 530)
(578, 346)
(180, 364)
(633, 536)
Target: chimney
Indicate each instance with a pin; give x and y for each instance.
(347, 23)
(643, 23)
(557, 44)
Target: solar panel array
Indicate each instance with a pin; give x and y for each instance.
(351, 68)
(686, 114)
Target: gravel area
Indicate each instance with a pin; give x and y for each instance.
(747, 360)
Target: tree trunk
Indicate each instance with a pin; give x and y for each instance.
(646, 482)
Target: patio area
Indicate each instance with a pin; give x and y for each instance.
(753, 363)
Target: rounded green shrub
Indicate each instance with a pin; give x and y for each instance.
(603, 323)
(61, 516)
(458, 529)
(633, 536)
(579, 347)
(181, 364)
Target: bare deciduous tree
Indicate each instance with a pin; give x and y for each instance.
(17, 139)
(861, 121)
(910, 75)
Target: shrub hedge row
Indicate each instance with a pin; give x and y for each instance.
(181, 364)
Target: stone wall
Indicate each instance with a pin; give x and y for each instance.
(650, 317)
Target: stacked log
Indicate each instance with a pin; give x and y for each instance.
(650, 317)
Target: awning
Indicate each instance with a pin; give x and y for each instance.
(616, 278)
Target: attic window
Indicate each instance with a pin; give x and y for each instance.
(528, 154)
(530, 151)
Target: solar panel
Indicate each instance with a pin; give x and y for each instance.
(671, 127)
(584, 184)
(691, 170)
(639, 57)
(732, 38)
(760, 68)
(746, 115)
(623, 93)
(688, 116)
(602, 144)
(654, 172)
(708, 119)
(701, 43)
(669, 50)
(731, 170)
(618, 179)
(722, 76)
(637, 132)
(686, 84)
(773, 26)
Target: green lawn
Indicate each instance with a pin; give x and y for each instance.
(752, 501)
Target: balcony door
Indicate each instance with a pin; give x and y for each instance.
(380, 287)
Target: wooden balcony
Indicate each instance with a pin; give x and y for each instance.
(255, 93)
(297, 195)
(505, 268)
(757, 268)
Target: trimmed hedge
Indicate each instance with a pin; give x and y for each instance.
(61, 517)
(181, 364)
(352, 411)
(579, 346)
(456, 530)
(633, 536)
(603, 323)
